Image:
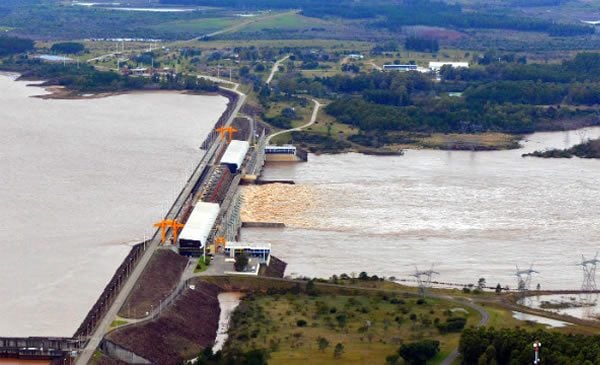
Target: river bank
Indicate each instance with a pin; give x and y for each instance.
(589, 149)
(395, 143)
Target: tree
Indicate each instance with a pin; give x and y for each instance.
(13, 45)
(481, 283)
(241, 261)
(323, 343)
(417, 353)
(67, 47)
(338, 351)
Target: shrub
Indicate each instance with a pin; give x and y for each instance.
(301, 323)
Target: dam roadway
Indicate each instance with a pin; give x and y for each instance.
(103, 326)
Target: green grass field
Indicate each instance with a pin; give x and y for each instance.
(200, 26)
(370, 327)
(288, 21)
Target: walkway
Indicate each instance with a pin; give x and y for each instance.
(312, 121)
(275, 69)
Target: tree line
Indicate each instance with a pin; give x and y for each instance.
(407, 12)
(515, 346)
(14, 45)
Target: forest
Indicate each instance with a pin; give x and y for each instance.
(403, 13)
(13, 45)
(514, 346)
(85, 78)
(500, 97)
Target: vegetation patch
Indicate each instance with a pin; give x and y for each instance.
(589, 149)
(319, 328)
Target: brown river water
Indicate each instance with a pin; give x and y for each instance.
(80, 181)
(471, 214)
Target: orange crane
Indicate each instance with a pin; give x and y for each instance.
(176, 227)
(220, 241)
(163, 225)
(229, 130)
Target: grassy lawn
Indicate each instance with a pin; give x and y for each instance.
(370, 326)
(482, 140)
(200, 26)
(118, 323)
(290, 21)
(202, 264)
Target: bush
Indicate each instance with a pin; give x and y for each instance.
(417, 353)
(241, 261)
(67, 48)
(453, 324)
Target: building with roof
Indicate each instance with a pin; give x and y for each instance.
(193, 238)
(436, 66)
(234, 155)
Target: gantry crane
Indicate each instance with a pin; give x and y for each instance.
(229, 130)
(164, 225)
(176, 227)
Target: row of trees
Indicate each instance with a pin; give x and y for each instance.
(14, 45)
(514, 346)
(86, 78)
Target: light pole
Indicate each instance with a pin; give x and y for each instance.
(536, 351)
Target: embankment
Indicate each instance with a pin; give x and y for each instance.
(180, 332)
(159, 279)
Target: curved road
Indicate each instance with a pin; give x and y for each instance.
(485, 317)
(312, 121)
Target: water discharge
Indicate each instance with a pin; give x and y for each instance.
(472, 214)
(280, 203)
(81, 179)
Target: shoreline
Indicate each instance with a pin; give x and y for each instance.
(61, 92)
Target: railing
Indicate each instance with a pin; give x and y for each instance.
(40, 347)
(110, 291)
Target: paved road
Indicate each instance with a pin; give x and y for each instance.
(485, 317)
(111, 314)
(312, 121)
(275, 69)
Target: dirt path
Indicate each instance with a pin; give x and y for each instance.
(275, 68)
(312, 121)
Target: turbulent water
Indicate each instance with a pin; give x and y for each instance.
(471, 214)
(80, 180)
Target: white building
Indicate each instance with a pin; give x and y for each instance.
(197, 229)
(436, 66)
(235, 155)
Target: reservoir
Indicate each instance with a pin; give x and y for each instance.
(471, 214)
(82, 180)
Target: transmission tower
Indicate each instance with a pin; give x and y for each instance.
(524, 279)
(424, 279)
(589, 273)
